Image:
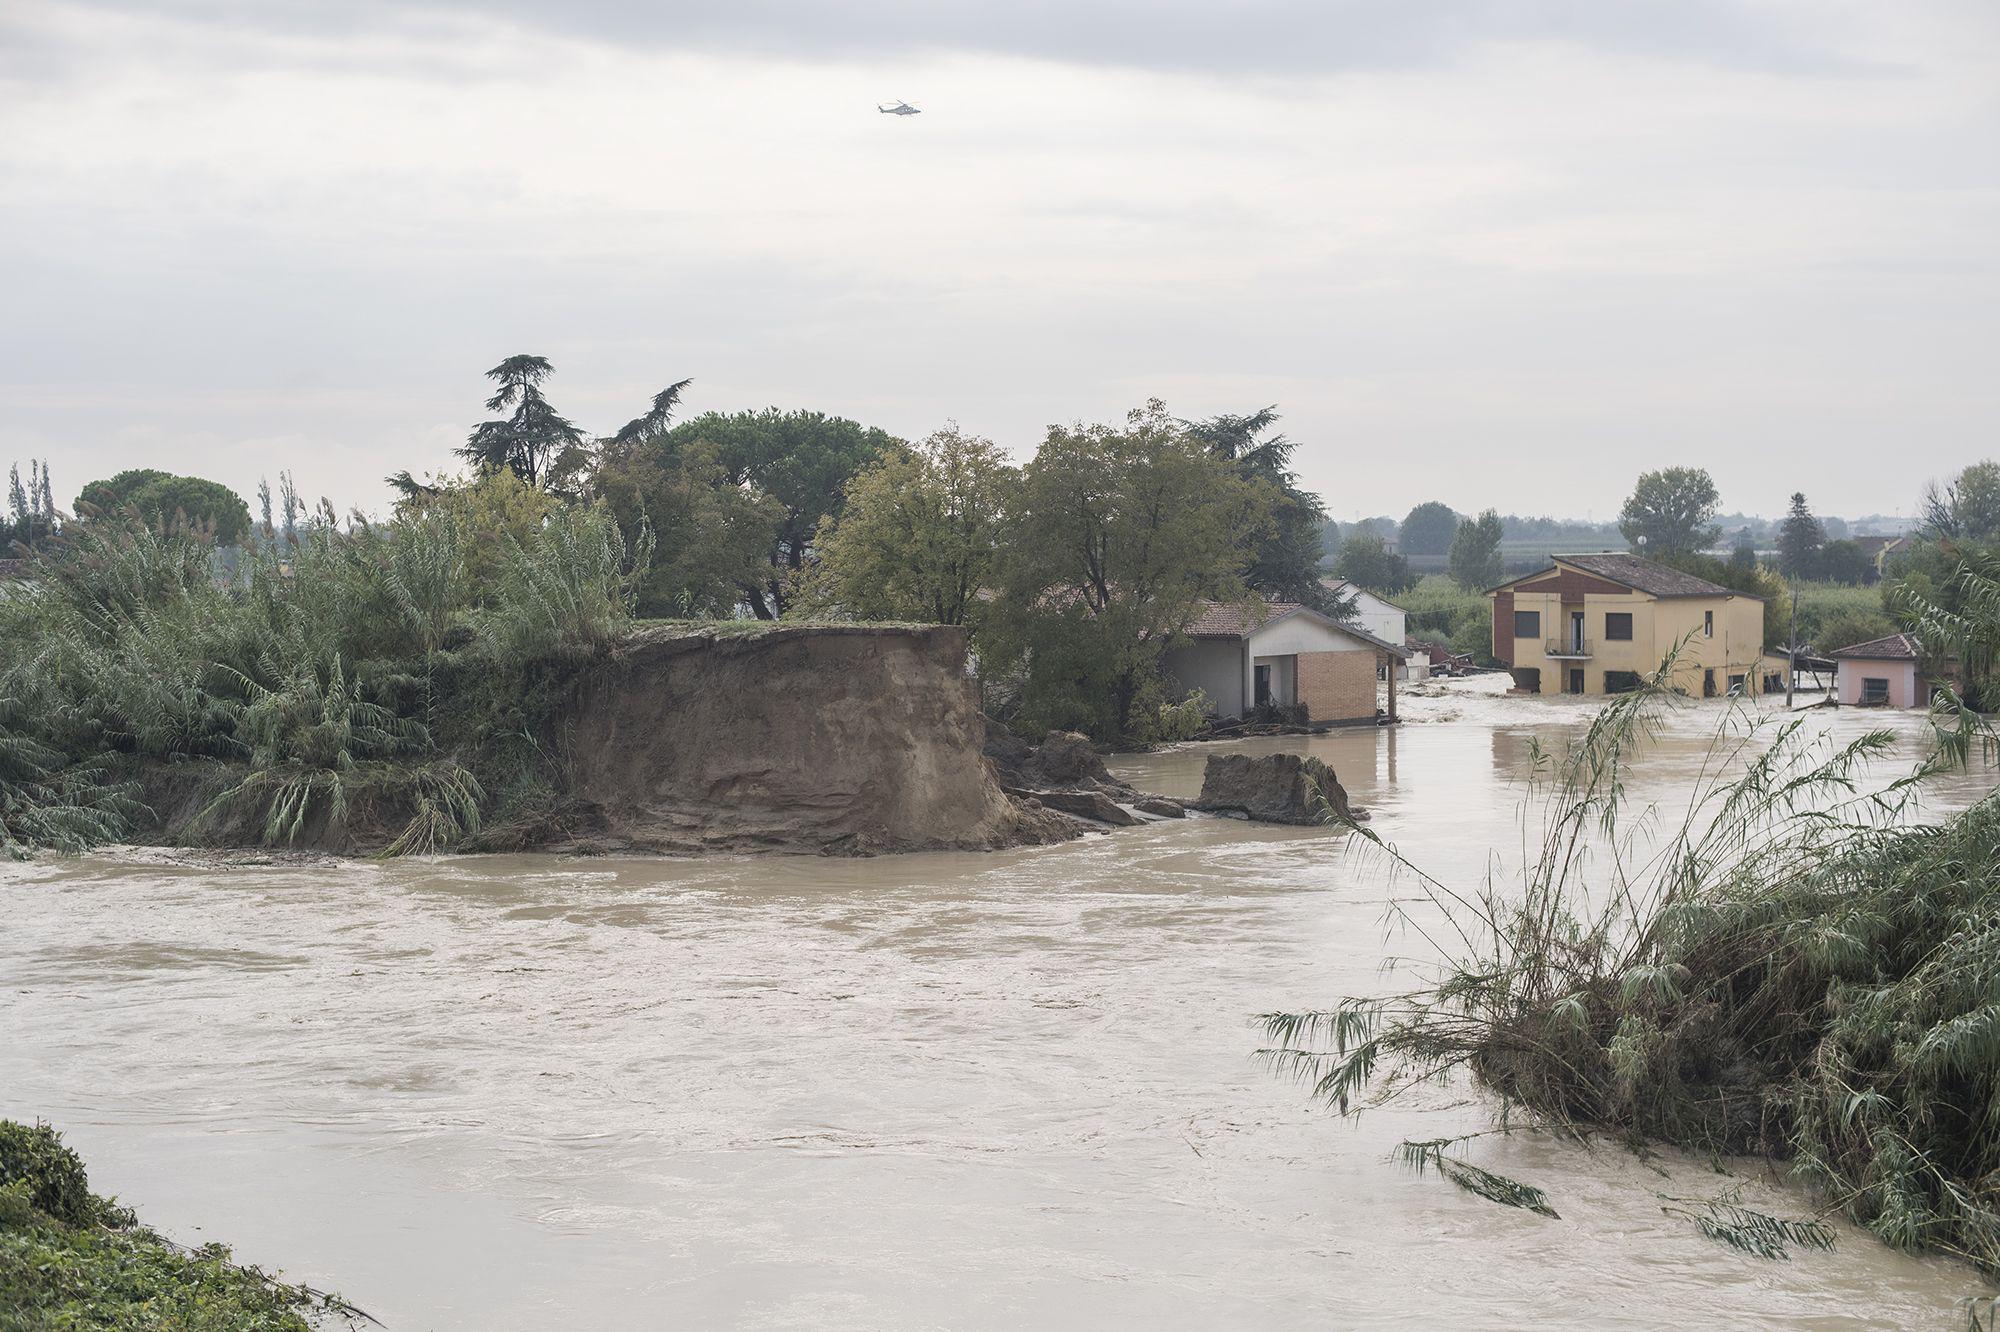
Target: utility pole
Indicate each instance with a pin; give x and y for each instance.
(1792, 650)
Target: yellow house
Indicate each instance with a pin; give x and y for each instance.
(1596, 624)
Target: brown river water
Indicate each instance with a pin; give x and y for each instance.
(916, 1092)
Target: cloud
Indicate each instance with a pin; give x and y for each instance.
(1232, 38)
(1503, 253)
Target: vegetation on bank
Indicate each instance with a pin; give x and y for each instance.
(69, 1258)
(1786, 965)
(363, 680)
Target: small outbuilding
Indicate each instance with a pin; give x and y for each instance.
(1282, 655)
(1881, 673)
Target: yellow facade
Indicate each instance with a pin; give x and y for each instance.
(1577, 643)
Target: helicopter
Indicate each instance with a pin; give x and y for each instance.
(898, 108)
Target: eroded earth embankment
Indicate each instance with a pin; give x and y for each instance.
(838, 740)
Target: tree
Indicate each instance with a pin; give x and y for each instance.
(710, 535)
(104, 498)
(1799, 540)
(535, 437)
(30, 507)
(163, 499)
(799, 460)
(1475, 552)
(1428, 530)
(918, 535)
(1670, 512)
(1978, 501)
(1366, 561)
(1745, 554)
(1286, 553)
(1329, 541)
(1968, 507)
(1118, 536)
(1845, 562)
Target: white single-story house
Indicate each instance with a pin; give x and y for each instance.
(1881, 673)
(1382, 618)
(1281, 654)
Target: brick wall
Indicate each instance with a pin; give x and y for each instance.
(1337, 686)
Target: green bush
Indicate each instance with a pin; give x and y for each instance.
(70, 1259)
(53, 1174)
(1439, 609)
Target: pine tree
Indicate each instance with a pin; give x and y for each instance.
(531, 439)
(1799, 540)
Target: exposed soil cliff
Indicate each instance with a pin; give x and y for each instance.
(840, 740)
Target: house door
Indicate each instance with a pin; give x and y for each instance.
(1263, 695)
(1576, 634)
(1708, 684)
(1576, 681)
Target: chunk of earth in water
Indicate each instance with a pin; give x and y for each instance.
(1273, 788)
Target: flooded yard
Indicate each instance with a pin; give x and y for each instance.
(935, 1091)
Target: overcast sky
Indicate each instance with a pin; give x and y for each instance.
(1485, 251)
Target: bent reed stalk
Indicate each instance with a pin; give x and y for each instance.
(1784, 966)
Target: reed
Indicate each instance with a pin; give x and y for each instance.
(1784, 965)
(353, 666)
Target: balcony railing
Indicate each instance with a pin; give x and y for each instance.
(1570, 645)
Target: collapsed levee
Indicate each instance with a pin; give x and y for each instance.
(843, 739)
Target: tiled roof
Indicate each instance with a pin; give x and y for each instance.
(1223, 620)
(1220, 620)
(1896, 647)
(1646, 576)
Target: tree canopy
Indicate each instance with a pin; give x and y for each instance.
(801, 461)
(161, 498)
(1366, 560)
(1118, 535)
(1800, 538)
(32, 520)
(1428, 529)
(1670, 512)
(1475, 552)
(1967, 507)
(1288, 547)
(918, 536)
(533, 438)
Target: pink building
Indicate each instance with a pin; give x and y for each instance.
(1881, 673)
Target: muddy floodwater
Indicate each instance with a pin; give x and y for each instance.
(934, 1091)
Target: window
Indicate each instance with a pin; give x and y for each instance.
(1708, 624)
(1736, 686)
(1527, 624)
(1618, 625)
(1620, 682)
(1874, 689)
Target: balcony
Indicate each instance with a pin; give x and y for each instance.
(1573, 646)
